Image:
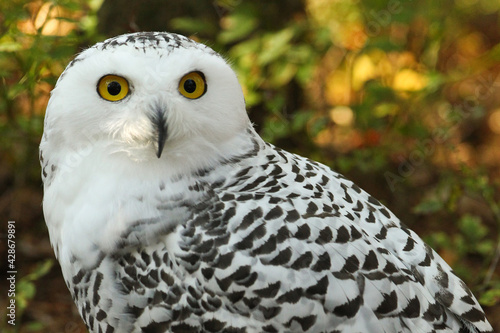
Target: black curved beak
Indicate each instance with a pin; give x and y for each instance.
(160, 130)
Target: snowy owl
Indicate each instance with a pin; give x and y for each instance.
(168, 213)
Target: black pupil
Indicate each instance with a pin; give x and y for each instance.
(114, 88)
(190, 86)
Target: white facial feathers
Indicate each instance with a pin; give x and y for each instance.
(153, 65)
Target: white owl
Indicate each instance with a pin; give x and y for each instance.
(168, 213)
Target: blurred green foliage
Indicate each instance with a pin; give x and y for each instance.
(31, 59)
(402, 96)
(25, 291)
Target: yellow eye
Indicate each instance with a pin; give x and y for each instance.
(112, 88)
(193, 85)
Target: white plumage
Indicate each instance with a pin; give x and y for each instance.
(168, 213)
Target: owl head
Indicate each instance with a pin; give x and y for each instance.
(147, 97)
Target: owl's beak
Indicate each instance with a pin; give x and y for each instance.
(162, 137)
(161, 130)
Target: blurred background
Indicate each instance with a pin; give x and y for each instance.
(401, 96)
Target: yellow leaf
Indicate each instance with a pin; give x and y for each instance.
(409, 80)
(363, 70)
(342, 115)
(338, 88)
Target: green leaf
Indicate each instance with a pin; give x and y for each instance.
(35, 326)
(281, 73)
(494, 53)
(300, 120)
(439, 240)
(40, 270)
(25, 290)
(191, 25)
(472, 227)
(275, 45)
(490, 298)
(485, 247)
(428, 206)
(386, 109)
(245, 49)
(10, 46)
(239, 25)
